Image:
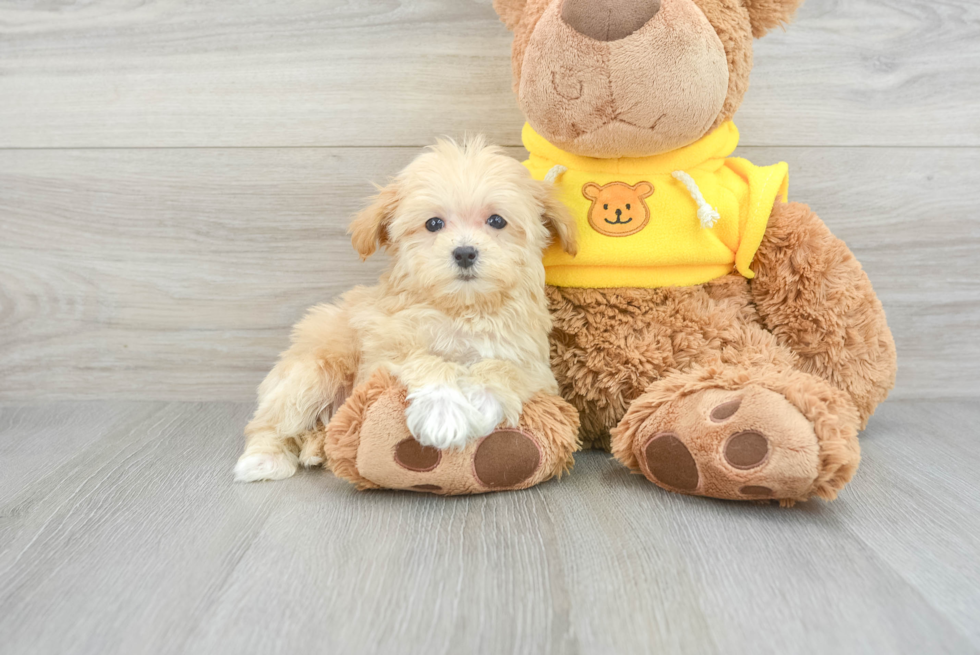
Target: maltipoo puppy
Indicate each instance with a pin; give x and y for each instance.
(459, 317)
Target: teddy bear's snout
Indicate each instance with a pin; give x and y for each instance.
(608, 20)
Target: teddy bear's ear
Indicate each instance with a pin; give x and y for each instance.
(510, 11)
(591, 190)
(369, 229)
(767, 14)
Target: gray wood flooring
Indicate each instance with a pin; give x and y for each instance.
(122, 532)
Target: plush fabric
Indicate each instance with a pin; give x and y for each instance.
(732, 24)
(609, 98)
(609, 345)
(812, 294)
(368, 443)
(510, 11)
(662, 243)
(608, 20)
(748, 386)
(767, 14)
(803, 432)
(735, 22)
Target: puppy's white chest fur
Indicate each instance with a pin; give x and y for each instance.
(465, 345)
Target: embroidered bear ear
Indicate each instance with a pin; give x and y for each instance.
(591, 190)
(643, 190)
(764, 15)
(510, 11)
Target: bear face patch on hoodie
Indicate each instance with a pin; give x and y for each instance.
(678, 219)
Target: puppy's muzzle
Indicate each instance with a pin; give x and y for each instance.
(465, 256)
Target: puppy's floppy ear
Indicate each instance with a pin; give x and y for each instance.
(767, 14)
(557, 218)
(510, 11)
(369, 229)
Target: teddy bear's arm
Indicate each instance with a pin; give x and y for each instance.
(812, 293)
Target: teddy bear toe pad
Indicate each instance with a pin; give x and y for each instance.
(743, 445)
(413, 456)
(505, 459)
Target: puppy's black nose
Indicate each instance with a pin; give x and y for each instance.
(465, 256)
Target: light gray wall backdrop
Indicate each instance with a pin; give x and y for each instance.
(176, 177)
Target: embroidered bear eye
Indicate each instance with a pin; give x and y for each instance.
(605, 206)
(627, 206)
(497, 222)
(434, 224)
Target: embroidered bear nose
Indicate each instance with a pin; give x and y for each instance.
(619, 212)
(465, 256)
(608, 20)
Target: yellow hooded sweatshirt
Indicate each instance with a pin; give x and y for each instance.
(677, 219)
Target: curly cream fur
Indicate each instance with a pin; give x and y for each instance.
(427, 322)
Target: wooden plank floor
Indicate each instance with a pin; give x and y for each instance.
(122, 532)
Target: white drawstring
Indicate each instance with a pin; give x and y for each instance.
(555, 173)
(707, 214)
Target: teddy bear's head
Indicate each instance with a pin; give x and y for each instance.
(631, 78)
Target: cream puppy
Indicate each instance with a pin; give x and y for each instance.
(459, 317)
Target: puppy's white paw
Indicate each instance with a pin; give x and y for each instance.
(439, 416)
(489, 411)
(252, 467)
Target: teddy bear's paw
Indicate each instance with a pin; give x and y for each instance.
(389, 456)
(504, 459)
(746, 444)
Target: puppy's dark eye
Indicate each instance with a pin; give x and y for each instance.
(497, 222)
(435, 224)
(605, 206)
(627, 206)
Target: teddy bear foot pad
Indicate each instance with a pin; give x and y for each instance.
(749, 444)
(503, 460)
(368, 443)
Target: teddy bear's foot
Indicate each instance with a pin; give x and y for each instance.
(368, 443)
(742, 435)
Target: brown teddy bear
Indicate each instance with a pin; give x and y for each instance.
(712, 335)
